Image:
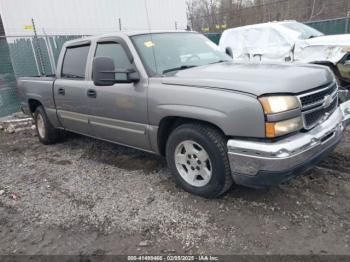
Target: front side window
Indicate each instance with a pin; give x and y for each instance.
(117, 53)
(166, 53)
(74, 62)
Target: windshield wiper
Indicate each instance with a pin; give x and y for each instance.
(219, 62)
(178, 68)
(313, 36)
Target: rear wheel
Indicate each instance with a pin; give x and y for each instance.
(46, 132)
(197, 157)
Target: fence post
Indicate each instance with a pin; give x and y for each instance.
(50, 52)
(35, 58)
(40, 58)
(347, 20)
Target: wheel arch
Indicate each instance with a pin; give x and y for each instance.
(33, 104)
(170, 123)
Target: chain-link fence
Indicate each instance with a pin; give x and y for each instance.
(25, 56)
(213, 16)
(328, 27)
(32, 56)
(332, 26)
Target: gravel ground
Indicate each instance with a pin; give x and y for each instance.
(84, 196)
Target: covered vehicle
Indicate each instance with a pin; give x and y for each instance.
(289, 41)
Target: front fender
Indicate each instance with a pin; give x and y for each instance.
(236, 114)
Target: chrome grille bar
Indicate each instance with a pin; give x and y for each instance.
(316, 106)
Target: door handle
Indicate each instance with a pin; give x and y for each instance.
(61, 91)
(92, 93)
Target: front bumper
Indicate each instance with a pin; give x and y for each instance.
(263, 164)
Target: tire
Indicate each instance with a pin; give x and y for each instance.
(47, 134)
(187, 145)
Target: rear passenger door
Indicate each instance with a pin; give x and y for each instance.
(70, 89)
(119, 112)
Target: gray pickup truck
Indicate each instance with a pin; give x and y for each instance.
(175, 94)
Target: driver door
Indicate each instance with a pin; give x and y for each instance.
(118, 113)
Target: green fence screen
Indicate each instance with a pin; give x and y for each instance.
(25, 56)
(8, 98)
(215, 37)
(27, 53)
(328, 27)
(332, 27)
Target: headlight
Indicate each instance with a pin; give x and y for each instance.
(284, 127)
(279, 105)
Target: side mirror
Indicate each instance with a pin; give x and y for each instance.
(104, 73)
(229, 52)
(132, 76)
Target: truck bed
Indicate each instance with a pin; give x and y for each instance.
(36, 88)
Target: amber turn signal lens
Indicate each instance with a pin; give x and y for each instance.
(270, 130)
(283, 127)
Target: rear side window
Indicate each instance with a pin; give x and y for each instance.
(74, 62)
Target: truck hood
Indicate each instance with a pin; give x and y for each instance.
(256, 79)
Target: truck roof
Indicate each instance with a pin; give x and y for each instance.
(123, 34)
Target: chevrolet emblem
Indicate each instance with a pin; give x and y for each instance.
(327, 101)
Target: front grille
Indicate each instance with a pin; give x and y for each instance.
(313, 105)
(317, 96)
(315, 116)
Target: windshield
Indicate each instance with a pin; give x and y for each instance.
(305, 32)
(166, 53)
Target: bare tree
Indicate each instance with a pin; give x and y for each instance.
(209, 13)
(190, 5)
(313, 15)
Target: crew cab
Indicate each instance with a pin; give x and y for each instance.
(289, 41)
(176, 94)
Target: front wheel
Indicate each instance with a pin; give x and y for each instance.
(197, 156)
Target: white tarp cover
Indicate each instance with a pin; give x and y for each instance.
(272, 42)
(250, 42)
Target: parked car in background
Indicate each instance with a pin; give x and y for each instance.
(176, 94)
(289, 41)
